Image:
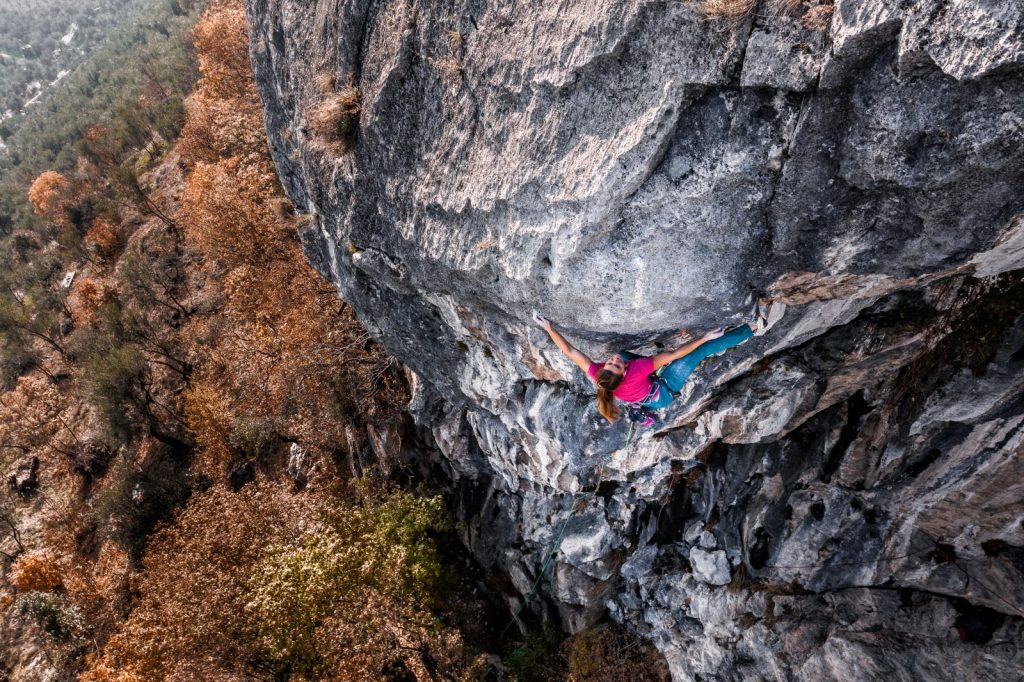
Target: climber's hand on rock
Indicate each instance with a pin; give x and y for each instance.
(541, 321)
(713, 334)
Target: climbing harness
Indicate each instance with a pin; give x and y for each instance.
(574, 507)
(638, 412)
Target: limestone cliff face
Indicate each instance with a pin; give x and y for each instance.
(829, 501)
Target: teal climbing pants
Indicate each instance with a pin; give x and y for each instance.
(675, 375)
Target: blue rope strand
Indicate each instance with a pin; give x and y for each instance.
(561, 534)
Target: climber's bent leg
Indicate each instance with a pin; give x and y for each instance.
(676, 374)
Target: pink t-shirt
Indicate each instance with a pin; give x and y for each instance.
(635, 384)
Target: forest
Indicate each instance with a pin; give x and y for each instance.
(34, 51)
(211, 473)
(133, 64)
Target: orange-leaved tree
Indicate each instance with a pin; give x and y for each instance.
(190, 621)
(47, 192)
(282, 583)
(223, 116)
(283, 361)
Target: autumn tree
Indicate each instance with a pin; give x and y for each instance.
(47, 193)
(284, 361)
(88, 295)
(74, 207)
(39, 570)
(220, 114)
(288, 583)
(340, 595)
(104, 238)
(204, 631)
(228, 215)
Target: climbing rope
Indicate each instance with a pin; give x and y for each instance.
(576, 500)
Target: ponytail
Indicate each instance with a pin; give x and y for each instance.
(606, 383)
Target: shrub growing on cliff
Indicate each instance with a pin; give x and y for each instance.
(335, 119)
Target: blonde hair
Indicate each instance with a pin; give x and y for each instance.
(607, 382)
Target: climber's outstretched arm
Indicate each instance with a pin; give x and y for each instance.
(578, 357)
(668, 357)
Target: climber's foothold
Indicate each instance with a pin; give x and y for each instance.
(768, 314)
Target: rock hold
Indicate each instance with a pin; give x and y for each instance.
(710, 567)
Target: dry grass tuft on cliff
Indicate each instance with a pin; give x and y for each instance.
(325, 82)
(449, 65)
(728, 9)
(818, 18)
(811, 16)
(335, 119)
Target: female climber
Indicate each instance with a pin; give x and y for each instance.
(650, 383)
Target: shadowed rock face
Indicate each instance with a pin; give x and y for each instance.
(630, 168)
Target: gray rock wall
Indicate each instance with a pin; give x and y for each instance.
(830, 501)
